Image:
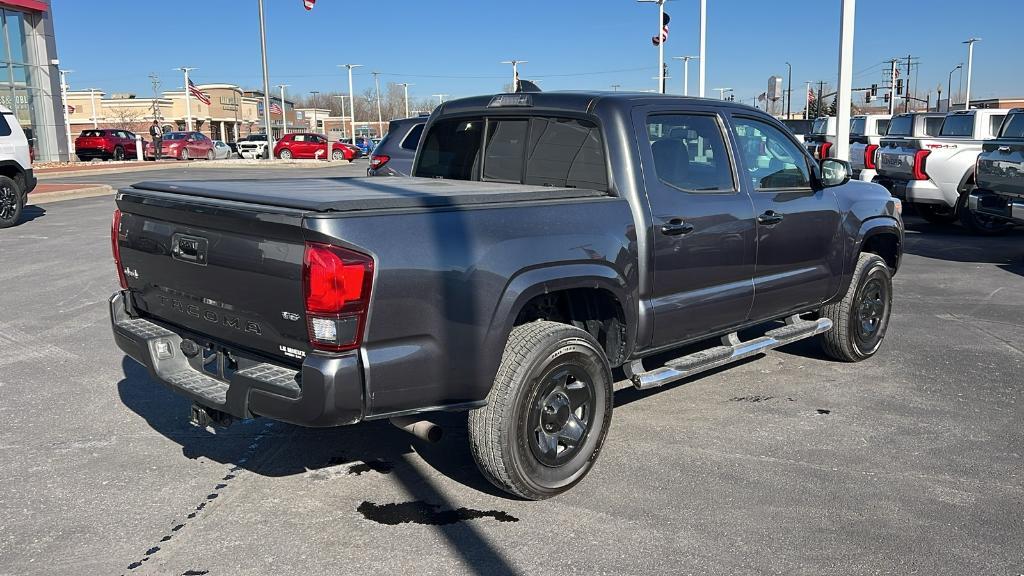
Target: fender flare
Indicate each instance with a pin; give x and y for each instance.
(882, 224)
(527, 284)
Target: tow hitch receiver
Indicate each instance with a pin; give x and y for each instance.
(204, 417)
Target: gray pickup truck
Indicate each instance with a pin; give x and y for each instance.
(1000, 173)
(545, 240)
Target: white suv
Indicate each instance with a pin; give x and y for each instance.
(16, 179)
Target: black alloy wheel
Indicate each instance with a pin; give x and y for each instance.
(560, 414)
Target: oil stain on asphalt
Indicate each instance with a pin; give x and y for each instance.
(418, 512)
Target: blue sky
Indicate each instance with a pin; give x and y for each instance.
(454, 47)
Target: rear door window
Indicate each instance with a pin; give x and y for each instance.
(566, 152)
(412, 139)
(503, 155)
(689, 152)
(958, 125)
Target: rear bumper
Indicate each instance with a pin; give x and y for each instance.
(915, 191)
(30, 181)
(325, 391)
(991, 204)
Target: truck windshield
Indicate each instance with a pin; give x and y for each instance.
(538, 151)
(958, 125)
(1014, 126)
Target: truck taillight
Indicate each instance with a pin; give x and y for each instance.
(919, 164)
(823, 151)
(869, 156)
(115, 248)
(378, 160)
(336, 284)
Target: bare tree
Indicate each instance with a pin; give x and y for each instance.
(131, 118)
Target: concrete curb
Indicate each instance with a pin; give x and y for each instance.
(222, 164)
(84, 192)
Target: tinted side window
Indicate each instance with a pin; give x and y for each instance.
(506, 145)
(773, 161)
(881, 126)
(450, 150)
(412, 139)
(995, 123)
(1012, 128)
(689, 152)
(932, 126)
(958, 125)
(5, 128)
(857, 126)
(565, 152)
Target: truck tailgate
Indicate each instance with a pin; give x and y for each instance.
(229, 273)
(896, 158)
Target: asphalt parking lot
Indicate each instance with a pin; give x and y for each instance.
(909, 463)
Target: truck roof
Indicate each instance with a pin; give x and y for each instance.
(575, 101)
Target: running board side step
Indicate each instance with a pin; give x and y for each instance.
(731, 350)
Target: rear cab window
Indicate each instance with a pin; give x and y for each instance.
(901, 126)
(857, 126)
(537, 150)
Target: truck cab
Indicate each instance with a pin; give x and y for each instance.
(1000, 173)
(822, 138)
(866, 131)
(936, 174)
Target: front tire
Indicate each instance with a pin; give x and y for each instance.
(860, 319)
(12, 201)
(118, 154)
(547, 414)
(183, 155)
(337, 155)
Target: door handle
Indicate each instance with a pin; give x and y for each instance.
(676, 227)
(769, 218)
(1004, 148)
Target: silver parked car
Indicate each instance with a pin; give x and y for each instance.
(221, 151)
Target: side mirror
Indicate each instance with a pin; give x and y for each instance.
(834, 172)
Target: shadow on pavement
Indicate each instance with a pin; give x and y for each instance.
(31, 212)
(954, 243)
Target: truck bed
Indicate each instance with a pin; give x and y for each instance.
(357, 194)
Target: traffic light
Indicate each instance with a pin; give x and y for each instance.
(874, 90)
(888, 96)
(868, 97)
(899, 86)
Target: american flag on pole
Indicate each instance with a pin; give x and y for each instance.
(810, 94)
(275, 108)
(194, 91)
(308, 4)
(664, 31)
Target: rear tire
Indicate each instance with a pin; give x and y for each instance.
(12, 202)
(979, 224)
(936, 214)
(860, 319)
(547, 414)
(210, 155)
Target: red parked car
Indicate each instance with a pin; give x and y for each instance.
(310, 146)
(183, 146)
(105, 144)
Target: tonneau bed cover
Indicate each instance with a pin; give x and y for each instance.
(353, 194)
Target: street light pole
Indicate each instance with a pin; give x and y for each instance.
(703, 41)
(351, 99)
(686, 72)
(970, 61)
(67, 113)
(92, 100)
(314, 94)
(406, 85)
(722, 91)
(266, 80)
(949, 87)
(789, 92)
(515, 72)
(284, 109)
(380, 118)
(440, 98)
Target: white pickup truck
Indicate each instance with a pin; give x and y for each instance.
(253, 147)
(936, 174)
(866, 131)
(821, 138)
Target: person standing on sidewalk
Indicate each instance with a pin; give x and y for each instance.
(157, 135)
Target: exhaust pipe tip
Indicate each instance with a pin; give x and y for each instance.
(420, 428)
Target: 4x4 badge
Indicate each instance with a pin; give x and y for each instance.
(290, 316)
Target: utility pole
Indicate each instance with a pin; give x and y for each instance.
(314, 101)
(906, 87)
(722, 91)
(892, 86)
(789, 93)
(67, 112)
(615, 87)
(970, 62)
(188, 98)
(380, 119)
(686, 72)
(155, 81)
(845, 88)
(440, 98)
(515, 72)
(351, 99)
(284, 109)
(266, 81)
(406, 85)
(821, 90)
